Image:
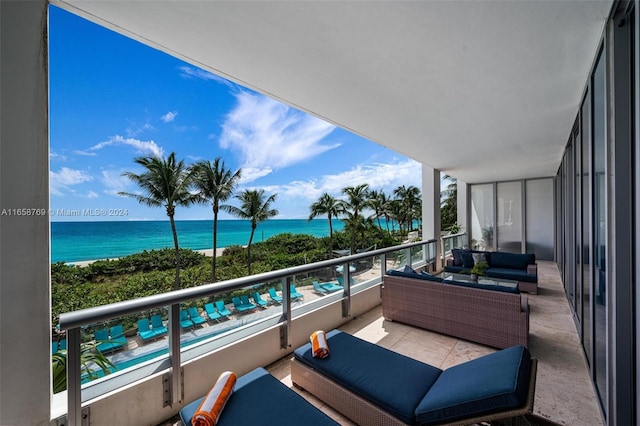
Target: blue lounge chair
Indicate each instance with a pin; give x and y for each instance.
(259, 300)
(62, 345)
(274, 296)
(294, 293)
(318, 289)
(245, 301)
(54, 347)
(144, 331)
(185, 322)
(211, 312)
(117, 338)
(331, 287)
(195, 316)
(159, 328)
(240, 307)
(222, 309)
(102, 339)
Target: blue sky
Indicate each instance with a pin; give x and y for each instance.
(113, 99)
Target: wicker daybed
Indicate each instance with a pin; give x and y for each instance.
(493, 318)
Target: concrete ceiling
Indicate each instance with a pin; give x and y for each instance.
(481, 90)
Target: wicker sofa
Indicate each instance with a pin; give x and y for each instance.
(487, 316)
(519, 267)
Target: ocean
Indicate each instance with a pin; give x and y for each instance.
(82, 241)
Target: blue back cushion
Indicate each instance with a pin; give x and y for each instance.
(493, 383)
(408, 269)
(389, 380)
(457, 256)
(467, 258)
(493, 287)
(511, 260)
(258, 398)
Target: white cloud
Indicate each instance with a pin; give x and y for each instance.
(63, 180)
(141, 147)
(378, 176)
(114, 182)
(191, 72)
(270, 136)
(169, 116)
(135, 129)
(92, 194)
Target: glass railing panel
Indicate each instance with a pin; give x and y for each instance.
(417, 255)
(396, 259)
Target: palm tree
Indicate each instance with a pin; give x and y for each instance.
(449, 203)
(330, 206)
(216, 184)
(378, 202)
(165, 183)
(409, 197)
(357, 200)
(255, 208)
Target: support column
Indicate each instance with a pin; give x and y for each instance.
(25, 300)
(431, 207)
(462, 209)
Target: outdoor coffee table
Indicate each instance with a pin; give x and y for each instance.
(452, 276)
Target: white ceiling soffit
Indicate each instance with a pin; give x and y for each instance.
(481, 90)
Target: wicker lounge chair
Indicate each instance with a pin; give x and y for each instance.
(258, 398)
(406, 391)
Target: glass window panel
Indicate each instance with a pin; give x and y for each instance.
(583, 210)
(599, 228)
(540, 216)
(510, 217)
(482, 225)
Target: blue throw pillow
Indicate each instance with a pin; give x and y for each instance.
(467, 259)
(457, 256)
(408, 269)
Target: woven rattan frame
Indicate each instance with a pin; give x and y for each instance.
(488, 317)
(364, 413)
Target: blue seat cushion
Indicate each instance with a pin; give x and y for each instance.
(416, 275)
(393, 382)
(493, 287)
(455, 268)
(261, 399)
(511, 274)
(493, 383)
(511, 260)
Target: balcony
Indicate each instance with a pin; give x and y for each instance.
(564, 392)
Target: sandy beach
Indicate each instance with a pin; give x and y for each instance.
(206, 252)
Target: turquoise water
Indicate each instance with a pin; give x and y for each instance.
(79, 241)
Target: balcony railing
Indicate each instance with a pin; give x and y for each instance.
(413, 254)
(448, 242)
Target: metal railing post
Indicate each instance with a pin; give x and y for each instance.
(74, 390)
(285, 327)
(346, 296)
(174, 353)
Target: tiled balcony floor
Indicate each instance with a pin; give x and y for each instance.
(564, 392)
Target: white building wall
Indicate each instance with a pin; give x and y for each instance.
(25, 324)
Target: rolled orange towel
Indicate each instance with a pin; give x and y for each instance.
(319, 345)
(211, 407)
